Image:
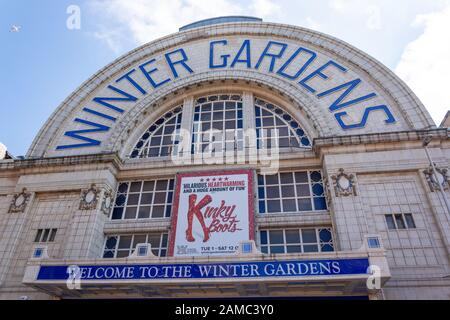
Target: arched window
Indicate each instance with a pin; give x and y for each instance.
(157, 141)
(268, 118)
(218, 123)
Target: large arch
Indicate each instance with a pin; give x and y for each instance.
(406, 109)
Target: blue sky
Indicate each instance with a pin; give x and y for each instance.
(44, 62)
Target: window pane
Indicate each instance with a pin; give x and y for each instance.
(289, 205)
(390, 222)
(130, 213)
(158, 212)
(292, 236)
(272, 179)
(320, 204)
(117, 213)
(263, 235)
(52, 235)
(45, 236)
(273, 206)
(111, 243)
(304, 204)
(273, 192)
(294, 249)
(309, 236)
(133, 199)
(303, 190)
(38, 236)
(276, 236)
(410, 221)
(301, 177)
(399, 221)
(135, 187)
(108, 254)
(146, 198)
(325, 235)
(125, 242)
(277, 249)
(123, 254)
(310, 248)
(144, 212)
(288, 191)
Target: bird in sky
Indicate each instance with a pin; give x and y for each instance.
(15, 28)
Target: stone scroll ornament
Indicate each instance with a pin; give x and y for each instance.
(19, 202)
(344, 184)
(442, 178)
(89, 198)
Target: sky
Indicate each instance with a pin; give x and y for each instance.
(51, 55)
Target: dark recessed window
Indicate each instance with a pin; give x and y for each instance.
(45, 235)
(400, 221)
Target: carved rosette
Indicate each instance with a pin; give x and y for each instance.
(107, 202)
(442, 176)
(344, 184)
(89, 198)
(19, 202)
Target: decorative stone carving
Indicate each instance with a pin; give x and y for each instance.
(107, 202)
(89, 198)
(344, 184)
(19, 202)
(442, 176)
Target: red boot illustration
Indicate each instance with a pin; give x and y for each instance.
(195, 210)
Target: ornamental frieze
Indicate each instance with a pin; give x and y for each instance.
(344, 184)
(19, 202)
(89, 198)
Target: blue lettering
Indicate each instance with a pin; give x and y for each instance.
(282, 72)
(148, 73)
(211, 55)
(127, 76)
(351, 86)
(390, 117)
(100, 114)
(77, 135)
(183, 60)
(127, 98)
(245, 46)
(319, 72)
(273, 56)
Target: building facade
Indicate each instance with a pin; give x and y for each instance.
(235, 158)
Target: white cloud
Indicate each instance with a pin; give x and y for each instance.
(425, 63)
(264, 8)
(141, 21)
(374, 18)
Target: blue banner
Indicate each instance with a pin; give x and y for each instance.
(259, 269)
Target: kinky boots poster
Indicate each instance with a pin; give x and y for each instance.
(213, 213)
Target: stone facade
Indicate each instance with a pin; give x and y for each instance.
(374, 177)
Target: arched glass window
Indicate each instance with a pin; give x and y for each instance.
(268, 118)
(158, 141)
(218, 123)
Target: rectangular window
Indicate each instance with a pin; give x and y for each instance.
(291, 192)
(45, 235)
(400, 221)
(122, 246)
(296, 240)
(143, 200)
